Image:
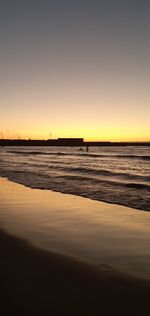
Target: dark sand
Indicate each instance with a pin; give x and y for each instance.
(36, 282)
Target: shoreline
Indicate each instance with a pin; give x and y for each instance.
(40, 277)
(91, 231)
(66, 192)
(36, 282)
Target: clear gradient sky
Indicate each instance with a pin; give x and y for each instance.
(75, 69)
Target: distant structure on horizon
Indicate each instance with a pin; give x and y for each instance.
(70, 142)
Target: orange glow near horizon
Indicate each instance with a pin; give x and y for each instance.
(97, 134)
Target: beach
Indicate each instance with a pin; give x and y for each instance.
(67, 255)
(36, 282)
(75, 158)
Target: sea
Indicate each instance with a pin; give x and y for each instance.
(118, 175)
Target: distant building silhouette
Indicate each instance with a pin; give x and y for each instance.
(70, 141)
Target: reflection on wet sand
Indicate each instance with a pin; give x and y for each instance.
(92, 231)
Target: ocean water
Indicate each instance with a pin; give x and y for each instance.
(119, 175)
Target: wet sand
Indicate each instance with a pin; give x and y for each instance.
(64, 255)
(91, 231)
(36, 282)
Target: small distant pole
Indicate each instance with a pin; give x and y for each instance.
(87, 148)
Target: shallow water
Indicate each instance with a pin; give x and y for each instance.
(93, 231)
(118, 175)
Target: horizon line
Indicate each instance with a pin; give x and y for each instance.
(73, 138)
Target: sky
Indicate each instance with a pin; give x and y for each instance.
(75, 69)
